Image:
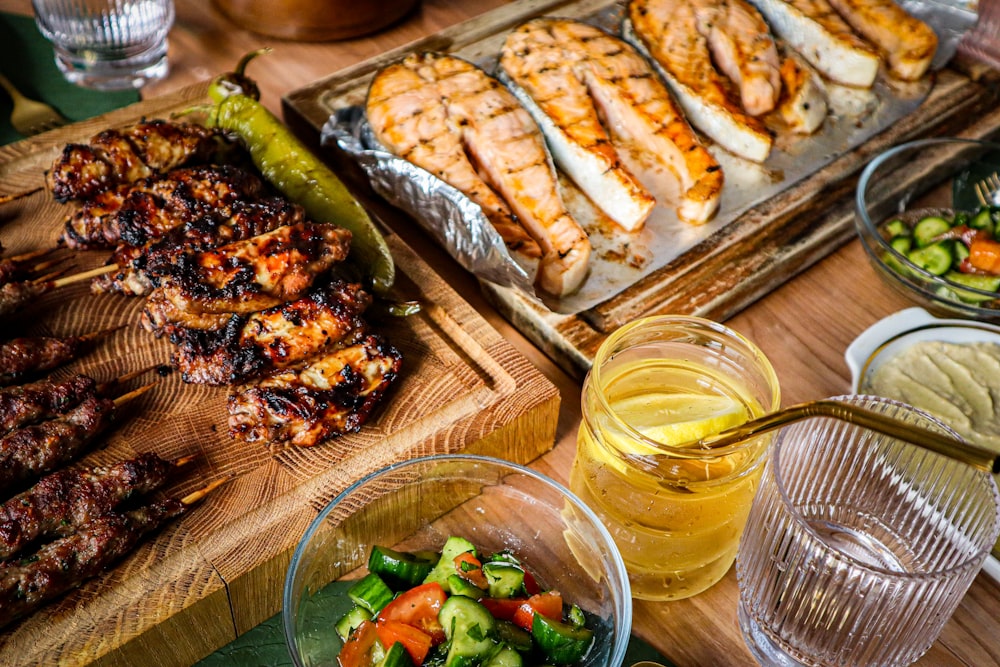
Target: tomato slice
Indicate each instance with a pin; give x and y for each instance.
(470, 568)
(357, 650)
(416, 642)
(418, 607)
(531, 586)
(503, 608)
(548, 604)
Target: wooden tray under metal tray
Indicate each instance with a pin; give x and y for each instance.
(742, 261)
(219, 570)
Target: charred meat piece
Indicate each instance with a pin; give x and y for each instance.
(16, 295)
(325, 398)
(128, 154)
(147, 209)
(272, 339)
(30, 403)
(253, 274)
(68, 499)
(249, 219)
(41, 448)
(24, 357)
(64, 564)
(160, 316)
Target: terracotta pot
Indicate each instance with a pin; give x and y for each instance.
(314, 20)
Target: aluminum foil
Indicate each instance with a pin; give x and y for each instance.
(619, 258)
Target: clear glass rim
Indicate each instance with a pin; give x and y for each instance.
(765, 367)
(798, 519)
(619, 585)
(872, 229)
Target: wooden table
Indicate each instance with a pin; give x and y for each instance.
(803, 327)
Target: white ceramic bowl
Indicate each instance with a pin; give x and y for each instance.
(891, 335)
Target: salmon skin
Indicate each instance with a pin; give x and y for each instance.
(825, 40)
(572, 76)
(668, 30)
(449, 117)
(905, 42)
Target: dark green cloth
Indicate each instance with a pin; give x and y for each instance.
(26, 59)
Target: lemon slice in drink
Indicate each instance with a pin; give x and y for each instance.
(676, 419)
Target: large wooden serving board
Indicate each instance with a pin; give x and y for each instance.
(219, 570)
(742, 261)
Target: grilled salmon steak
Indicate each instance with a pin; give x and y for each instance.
(584, 86)
(905, 42)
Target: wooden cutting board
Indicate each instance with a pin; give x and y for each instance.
(745, 259)
(219, 570)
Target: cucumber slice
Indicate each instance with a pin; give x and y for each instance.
(513, 636)
(982, 220)
(371, 593)
(897, 228)
(901, 244)
(505, 579)
(468, 626)
(975, 281)
(445, 567)
(396, 656)
(459, 585)
(351, 620)
(928, 229)
(401, 570)
(936, 258)
(561, 643)
(505, 657)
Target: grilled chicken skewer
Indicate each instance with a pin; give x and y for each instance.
(128, 154)
(26, 404)
(68, 499)
(145, 210)
(66, 563)
(327, 397)
(248, 220)
(38, 449)
(253, 274)
(23, 357)
(272, 339)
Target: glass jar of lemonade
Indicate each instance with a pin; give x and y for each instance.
(676, 512)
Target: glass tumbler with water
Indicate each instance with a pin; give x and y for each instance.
(107, 44)
(859, 546)
(676, 512)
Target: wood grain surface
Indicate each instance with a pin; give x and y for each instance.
(219, 570)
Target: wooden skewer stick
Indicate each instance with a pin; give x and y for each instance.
(85, 275)
(132, 395)
(195, 496)
(104, 387)
(30, 255)
(184, 460)
(102, 333)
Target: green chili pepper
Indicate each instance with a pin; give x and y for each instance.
(302, 177)
(237, 82)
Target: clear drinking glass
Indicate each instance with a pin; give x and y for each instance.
(107, 44)
(676, 512)
(859, 546)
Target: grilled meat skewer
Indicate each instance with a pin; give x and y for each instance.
(68, 499)
(23, 357)
(66, 563)
(272, 339)
(128, 154)
(249, 219)
(26, 404)
(41, 448)
(149, 208)
(21, 267)
(253, 274)
(325, 398)
(31, 403)
(16, 295)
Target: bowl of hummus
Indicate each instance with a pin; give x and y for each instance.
(949, 368)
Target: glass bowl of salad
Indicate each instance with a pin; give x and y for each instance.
(457, 561)
(944, 250)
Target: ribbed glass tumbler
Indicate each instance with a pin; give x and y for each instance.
(859, 546)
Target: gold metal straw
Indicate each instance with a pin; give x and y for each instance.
(973, 455)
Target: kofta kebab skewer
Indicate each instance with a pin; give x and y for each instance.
(68, 499)
(16, 295)
(21, 405)
(30, 355)
(66, 563)
(38, 449)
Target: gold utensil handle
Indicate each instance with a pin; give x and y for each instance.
(968, 453)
